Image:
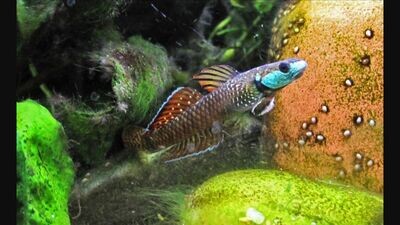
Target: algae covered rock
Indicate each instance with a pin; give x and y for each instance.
(127, 80)
(281, 198)
(30, 14)
(330, 123)
(44, 169)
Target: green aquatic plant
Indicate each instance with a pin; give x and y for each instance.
(243, 30)
(44, 169)
(282, 198)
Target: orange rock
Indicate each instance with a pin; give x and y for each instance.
(342, 42)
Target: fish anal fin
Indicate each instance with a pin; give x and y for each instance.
(198, 144)
(179, 101)
(212, 77)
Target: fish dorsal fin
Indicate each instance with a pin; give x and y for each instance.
(212, 77)
(181, 99)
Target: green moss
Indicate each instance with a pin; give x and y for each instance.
(106, 34)
(31, 13)
(96, 12)
(282, 198)
(180, 77)
(122, 83)
(144, 93)
(141, 76)
(92, 131)
(44, 169)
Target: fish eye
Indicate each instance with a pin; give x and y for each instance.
(284, 67)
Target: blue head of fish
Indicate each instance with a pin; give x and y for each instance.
(279, 74)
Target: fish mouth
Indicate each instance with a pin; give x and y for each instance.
(300, 66)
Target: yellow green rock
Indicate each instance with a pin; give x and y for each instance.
(282, 198)
(44, 169)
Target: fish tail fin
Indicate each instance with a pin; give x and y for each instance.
(132, 137)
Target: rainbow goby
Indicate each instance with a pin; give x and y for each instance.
(189, 123)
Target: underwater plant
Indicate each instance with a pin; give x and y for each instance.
(243, 32)
(44, 169)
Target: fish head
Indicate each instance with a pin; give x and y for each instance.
(272, 77)
(277, 75)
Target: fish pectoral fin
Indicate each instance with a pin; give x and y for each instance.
(212, 77)
(266, 104)
(179, 101)
(199, 143)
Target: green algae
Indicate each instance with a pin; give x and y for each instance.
(140, 76)
(138, 73)
(44, 169)
(91, 131)
(93, 12)
(31, 13)
(282, 198)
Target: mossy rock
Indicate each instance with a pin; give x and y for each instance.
(92, 132)
(342, 42)
(31, 13)
(132, 79)
(282, 198)
(44, 169)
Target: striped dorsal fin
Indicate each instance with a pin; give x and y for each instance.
(198, 144)
(181, 99)
(211, 78)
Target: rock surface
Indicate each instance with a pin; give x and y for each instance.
(342, 42)
(44, 169)
(281, 198)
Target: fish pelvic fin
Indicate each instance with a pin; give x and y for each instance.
(263, 106)
(179, 101)
(211, 78)
(198, 144)
(146, 157)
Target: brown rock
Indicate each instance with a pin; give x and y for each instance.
(342, 42)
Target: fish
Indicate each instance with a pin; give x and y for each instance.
(189, 123)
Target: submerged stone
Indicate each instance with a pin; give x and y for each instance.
(31, 14)
(345, 73)
(281, 196)
(44, 169)
(137, 75)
